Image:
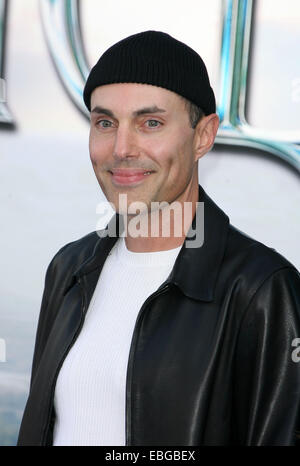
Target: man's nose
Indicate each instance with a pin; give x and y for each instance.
(125, 142)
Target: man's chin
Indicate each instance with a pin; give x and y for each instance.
(132, 211)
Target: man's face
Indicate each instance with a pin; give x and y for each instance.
(141, 144)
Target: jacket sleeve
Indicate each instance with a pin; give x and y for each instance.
(266, 394)
(47, 312)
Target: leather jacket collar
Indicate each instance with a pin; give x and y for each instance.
(210, 254)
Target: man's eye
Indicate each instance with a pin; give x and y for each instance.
(104, 123)
(153, 123)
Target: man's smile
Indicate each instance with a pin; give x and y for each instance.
(129, 176)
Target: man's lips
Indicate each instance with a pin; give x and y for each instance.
(129, 176)
(129, 172)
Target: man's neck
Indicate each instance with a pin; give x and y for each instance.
(161, 230)
(152, 244)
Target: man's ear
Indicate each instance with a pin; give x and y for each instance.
(205, 133)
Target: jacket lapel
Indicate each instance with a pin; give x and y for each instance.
(203, 261)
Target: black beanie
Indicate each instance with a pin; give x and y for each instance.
(155, 58)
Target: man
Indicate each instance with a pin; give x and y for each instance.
(188, 338)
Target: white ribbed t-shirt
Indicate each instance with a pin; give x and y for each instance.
(90, 391)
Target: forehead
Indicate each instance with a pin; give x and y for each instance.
(133, 95)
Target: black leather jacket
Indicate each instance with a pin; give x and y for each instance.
(211, 354)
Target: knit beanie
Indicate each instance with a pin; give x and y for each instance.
(156, 58)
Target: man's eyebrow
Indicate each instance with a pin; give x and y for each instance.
(141, 111)
(104, 111)
(153, 109)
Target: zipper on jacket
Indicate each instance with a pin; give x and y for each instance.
(160, 291)
(83, 309)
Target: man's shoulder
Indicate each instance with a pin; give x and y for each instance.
(252, 259)
(73, 254)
